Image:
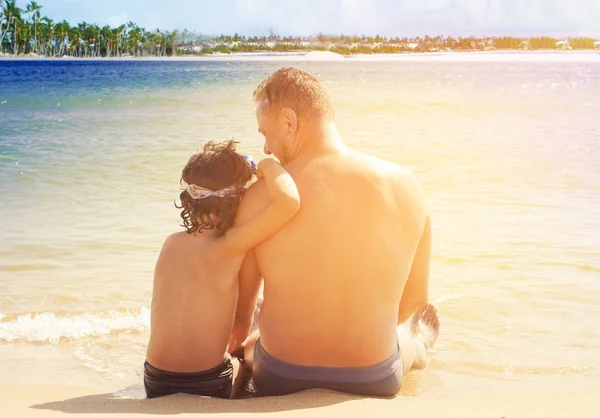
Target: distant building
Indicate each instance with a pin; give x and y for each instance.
(189, 48)
(563, 45)
(597, 44)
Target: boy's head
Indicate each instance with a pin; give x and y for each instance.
(214, 182)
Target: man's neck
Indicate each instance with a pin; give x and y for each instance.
(318, 139)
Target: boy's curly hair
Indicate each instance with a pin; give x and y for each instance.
(218, 166)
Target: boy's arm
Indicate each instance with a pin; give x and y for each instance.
(284, 204)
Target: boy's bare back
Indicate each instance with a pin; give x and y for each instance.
(194, 300)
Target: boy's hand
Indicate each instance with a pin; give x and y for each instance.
(265, 165)
(284, 204)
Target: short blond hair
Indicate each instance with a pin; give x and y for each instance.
(296, 89)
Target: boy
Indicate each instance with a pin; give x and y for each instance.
(196, 276)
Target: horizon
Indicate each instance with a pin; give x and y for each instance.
(454, 18)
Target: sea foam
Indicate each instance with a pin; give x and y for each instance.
(52, 328)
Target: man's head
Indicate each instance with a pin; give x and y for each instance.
(286, 102)
(215, 180)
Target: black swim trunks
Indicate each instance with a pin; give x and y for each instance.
(273, 377)
(216, 382)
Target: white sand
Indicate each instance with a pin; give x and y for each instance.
(32, 402)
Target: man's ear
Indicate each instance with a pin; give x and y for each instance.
(290, 119)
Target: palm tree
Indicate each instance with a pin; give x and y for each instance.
(2, 32)
(24, 37)
(17, 23)
(154, 40)
(93, 32)
(133, 38)
(62, 30)
(82, 28)
(172, 39)
(46, 35)
(1, 23)
(75, 42)
(107, 39)
(33, 10)
(143, 41)
(12, 15)
(118, 35)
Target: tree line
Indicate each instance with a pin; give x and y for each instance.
(27, 31)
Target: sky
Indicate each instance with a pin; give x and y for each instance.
(351, 17)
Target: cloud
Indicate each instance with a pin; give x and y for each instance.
(412, 18)
(386, 17)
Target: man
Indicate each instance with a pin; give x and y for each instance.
(346, 271)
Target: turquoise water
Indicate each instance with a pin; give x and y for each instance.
(506, 151)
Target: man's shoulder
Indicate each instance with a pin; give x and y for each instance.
(397, 177)
(386, 169)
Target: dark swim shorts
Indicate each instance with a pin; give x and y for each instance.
(216, 382)
(274, 377)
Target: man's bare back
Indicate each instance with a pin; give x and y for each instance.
(334, 276)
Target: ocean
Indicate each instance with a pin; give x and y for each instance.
(507, 152)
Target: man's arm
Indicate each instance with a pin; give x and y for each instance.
(250, 280)
(255, 201)
(416, 290)
(284, 204)
(414, 211)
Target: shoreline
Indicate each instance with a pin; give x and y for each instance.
(496, 55)
(41, 401)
